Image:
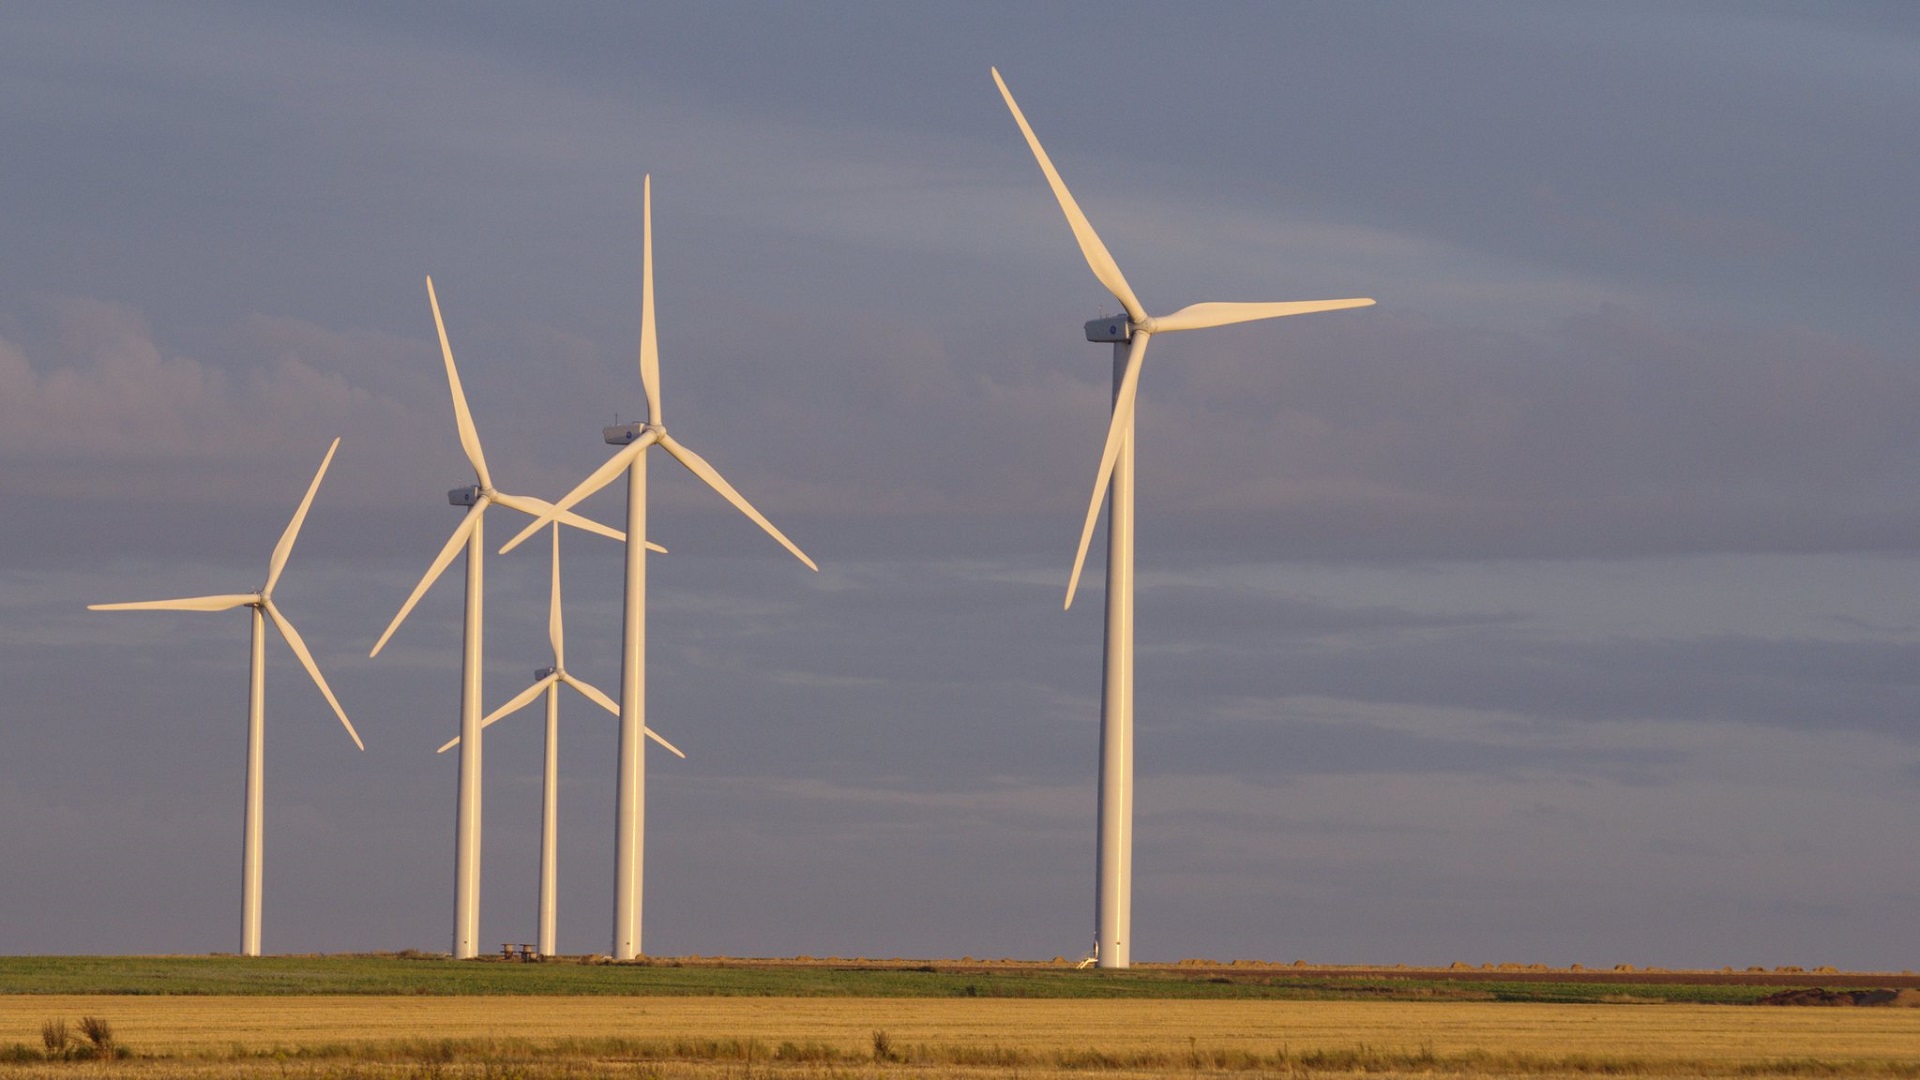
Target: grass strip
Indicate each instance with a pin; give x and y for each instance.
(391, 974)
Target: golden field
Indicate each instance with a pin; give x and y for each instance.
(739, 1036)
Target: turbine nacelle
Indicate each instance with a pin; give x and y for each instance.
(466, 496)
(628, 434)
(544, 672)
(1118, 328)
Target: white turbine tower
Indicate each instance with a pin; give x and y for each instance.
(253, 849)
(470, 533)
(548, 680)
(1114, 481)
(630, 822)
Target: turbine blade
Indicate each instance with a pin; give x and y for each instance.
(469, 438)
(1099, 260)
(285, 547)
(656, 548)
(591, 692)
(600, 478)
(1200, 316)
(440, 561)
(226, 602)
(527, 504)
(1116, 430)
(519, 701)
(306, 659)
(655, 736)
(649, 339)
(587, 524)
(556, 633)
(699, 467)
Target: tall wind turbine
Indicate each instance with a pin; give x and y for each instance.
(548, 680)
(1113, 914)
(630, 823)
(253, 848)
(470, 533)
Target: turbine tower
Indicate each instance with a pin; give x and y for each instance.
(548, 680)
(253, 844)
(1113, 914)
(470, 533)
(634, 439)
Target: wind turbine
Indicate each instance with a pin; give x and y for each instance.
(1114, 480)
(548, 680)
(253, 849)
(470, 533)
(634, 439)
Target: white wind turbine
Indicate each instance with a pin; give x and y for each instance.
(253, 850)
(1114, 480)
(548, 680)
(630, 821)
(470, 533)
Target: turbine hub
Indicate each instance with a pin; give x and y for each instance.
(466, 496)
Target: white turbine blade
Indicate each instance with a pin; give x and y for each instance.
(699, 467)
(519, 702)
(285, 546)
(1122, 415)
(225, 602)
(469, 438)
(600, 478)
(1099, 260)
(656, 548)
(587, 524)
(539, 508)
(649, 339)
(674, 750)
(555, 631)
(594, 695)
(591, 692)
(440, 561)
(306, 658)
(1200, 316)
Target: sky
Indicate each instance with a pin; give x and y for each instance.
(1557, 609)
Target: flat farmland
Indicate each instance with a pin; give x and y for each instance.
(335, 1035)
(231, 1018)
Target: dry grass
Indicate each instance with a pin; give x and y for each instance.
(802, 1038)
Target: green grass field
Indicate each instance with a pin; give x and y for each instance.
(431, 975)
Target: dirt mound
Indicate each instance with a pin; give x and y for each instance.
(1814, 995)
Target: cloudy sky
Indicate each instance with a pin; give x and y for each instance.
(1560, 608)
